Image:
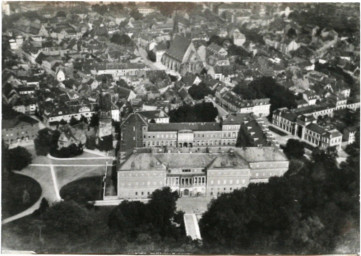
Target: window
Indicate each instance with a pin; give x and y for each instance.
(142, 193)
(136, 193)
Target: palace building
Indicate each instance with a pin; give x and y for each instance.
(136, 132)
(209, 173)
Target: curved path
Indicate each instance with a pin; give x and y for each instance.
(28, 211)
(52, 175)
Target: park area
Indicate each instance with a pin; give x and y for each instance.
(46, 176)
(19, 192)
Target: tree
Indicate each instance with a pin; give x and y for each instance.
(121, 39)
(61, 14)
(67, 218)
(94, 120)
(294, 149)
(202, 112)
(198, 92)
(18, 158)
(299, 214)
(83, 119)
(44, 205)
(73, 121)
(151, 56)
(266, 87)
(101, 9)
(162, 206)
(136, 14)
(46, 140)
(129, 218)
(234, 50)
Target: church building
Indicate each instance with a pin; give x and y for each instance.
(182, 56)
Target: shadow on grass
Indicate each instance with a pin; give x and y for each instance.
(83, 190)
(19, 192)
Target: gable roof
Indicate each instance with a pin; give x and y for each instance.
(178, 47)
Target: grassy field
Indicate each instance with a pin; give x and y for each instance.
(65, 175)
(83, 190)
(19, 192)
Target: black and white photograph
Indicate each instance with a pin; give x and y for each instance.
(180, 128)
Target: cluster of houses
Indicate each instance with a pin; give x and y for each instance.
(58, 63)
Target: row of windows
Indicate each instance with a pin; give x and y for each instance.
(195, 143)
(230, 182)
(22, 133)
(166, 136)
(137, 174)
(141, 193)
(174, 136)
(143, 183)
(20, 140)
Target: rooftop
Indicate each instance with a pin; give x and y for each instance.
(207, 126)
(178, 47)
(234, 158)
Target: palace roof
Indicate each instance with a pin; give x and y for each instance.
(185, 126)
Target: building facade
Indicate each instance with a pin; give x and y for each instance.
(234, 103)
(21, 129)
(306, 128)
(198, 174)
(137, 132)
(182, 56)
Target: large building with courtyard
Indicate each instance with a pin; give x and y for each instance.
(192, 172)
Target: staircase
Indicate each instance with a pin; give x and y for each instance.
(191, 226)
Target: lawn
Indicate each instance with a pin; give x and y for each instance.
(19, 192)
(67, 174)
(83, 190)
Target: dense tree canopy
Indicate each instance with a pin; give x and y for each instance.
(203, 112)
(135, 218)
(121, 39)
(136, 14)
(235, 50)
(99, 8)
(294, 149)
(334, 71)
(266, 87)
(302, 212)
(68, 218)
(66, 152)
(18, 158)
(46, 140)
(198, 92)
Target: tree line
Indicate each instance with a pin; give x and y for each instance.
(312, 209)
